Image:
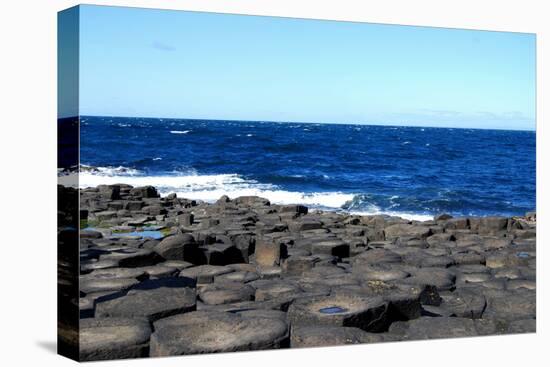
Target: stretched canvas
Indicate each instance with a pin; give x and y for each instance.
(241, 183)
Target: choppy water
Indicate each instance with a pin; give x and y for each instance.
(408, 171)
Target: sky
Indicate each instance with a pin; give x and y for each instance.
(158, 63)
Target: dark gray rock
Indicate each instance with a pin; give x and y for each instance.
(152, 304)
(440, 327)
(175, 247)
(226, 292)
(216, 332)
(144, 192)
(205, 273)
(113, 338)
(325, 336)
(366, 313)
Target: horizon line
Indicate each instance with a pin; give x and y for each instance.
(304, 122)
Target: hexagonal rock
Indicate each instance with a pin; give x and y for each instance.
(91, 265)
(489, 225)
(186, 219)
(442, 279)
(215, 332)
(456, 223)
(382, 272)
(113, 273)
(334, 248)
(367, 313)
(178, 264)
(222, 254)
(228, 292)
(325, 336)
(129, 257)
(267, 314)
(152, 304)
(512, 305)
(144, 192)
(297, 265)
(174, 247)
(159, 271)
(376, 256)
(522, 326)
(92, 285)
(205, 273)
(423, 260)
(275, 289)
(408, 230)
(468, 258)
(269, 253)
(440, 327)
(237, 276)
(502, 259)
(472, 278)
(304, 224)
(251, 201)
(464, 303)
(521, 283)
(113, 338)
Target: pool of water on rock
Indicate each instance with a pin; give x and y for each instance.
(332, 310)
(154, 234)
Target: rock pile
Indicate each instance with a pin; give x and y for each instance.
(243, 274)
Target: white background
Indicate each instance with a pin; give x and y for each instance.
(28, 180)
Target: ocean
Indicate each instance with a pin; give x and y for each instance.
(413, 172)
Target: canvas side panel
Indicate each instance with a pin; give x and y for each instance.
(67, 190)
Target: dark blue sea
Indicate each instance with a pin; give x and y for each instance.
(409, 171)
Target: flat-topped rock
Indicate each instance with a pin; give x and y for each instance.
(440, 327)
(326, 336)
(92, 285)
(151, 304)
(226, 292)
(205, 273)
(366, 313)
(216, 332)
(113, 338)
(272, 276)
(174, 247)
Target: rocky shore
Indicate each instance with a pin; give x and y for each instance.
(171, 276)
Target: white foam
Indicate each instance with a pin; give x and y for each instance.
(211, 187)
(404, 215)
(179, 131)
(109, 171)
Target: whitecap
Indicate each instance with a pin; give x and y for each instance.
(404, 215)
(157, 159)
(179, 131)
(210, 188)
(109, 170)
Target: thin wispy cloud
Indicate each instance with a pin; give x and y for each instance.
(162, 46)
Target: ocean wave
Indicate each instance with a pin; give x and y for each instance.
(179, 131)
(210, 188)
(109, 171)
(404, 215)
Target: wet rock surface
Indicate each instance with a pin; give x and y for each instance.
(171, 276)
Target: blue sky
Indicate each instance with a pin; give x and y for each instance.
(156, 63)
